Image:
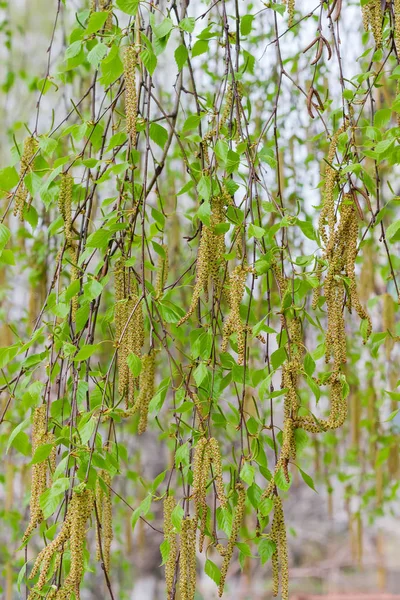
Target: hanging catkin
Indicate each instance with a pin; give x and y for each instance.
(40, 436)
(146, 390)
(131, 100)
(162, 273)
(280, 556)
(209, 257)
(104, 512)
(237, 522)
(74, 530)
(21, 195)
(129, 328)
(233, 323)
(170, 537)
(187, 559)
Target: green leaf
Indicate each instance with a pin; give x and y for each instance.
(181, 55)
(182, 455)
(158, 134)
(86, 351)
(266, 506)
(278, 358)
(164, 550)
(42, 452)
(99, 239)
(199, 47)
(177, 516)
(247, 473)
(128, 6)
(204, 187)
(200, 373)
(212, 571)
(96, 21)
(149, 60)
(15, 432)
(255, 231)
(246, 23)
(392, 230)
(5, 235)
(97, 54)
(134, 364)
(187, 24)
(8, 179)
(73, 49)
(266, 548)
(307, 479)
(160, 31)
(86, 429)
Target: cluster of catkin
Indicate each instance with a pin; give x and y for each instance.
(237, 522)
(162, 272)
(21, 195)
(280, 568)
(209, 257)
(233, 323)
(170, 537)
(146, 390)
(65, 208)
(40, 471)
(187, 553)
(129, 327)
(73, 531)
(104, 533)
(207, 456)
(290, 375)
(131, 98)
(372, 17)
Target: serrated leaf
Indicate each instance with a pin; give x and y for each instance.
(266, 548)
(307, 479)
(211, 569)
(134, 364)
(97, 54)
(181, 55)
(158, 134)
(149, 60)
(96, 22)
(42, 452)
(204, 187)
(128, 6)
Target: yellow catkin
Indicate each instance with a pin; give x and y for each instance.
(187, 559)
(290, 9)
(170, 537)
(280, 556)
(65, 203)
(146, 390)
(129, 326)
(328, 208)
(375, 20)
(40, 470)
(75, 272)
(207, 455)
(237, 522)
(162, 273)
(131, 100)
(104, 513)
(21, 195)
(233, 323)
(396, 10)
(215, 456)
(201, 463)
(74, 530)
(209, 257)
